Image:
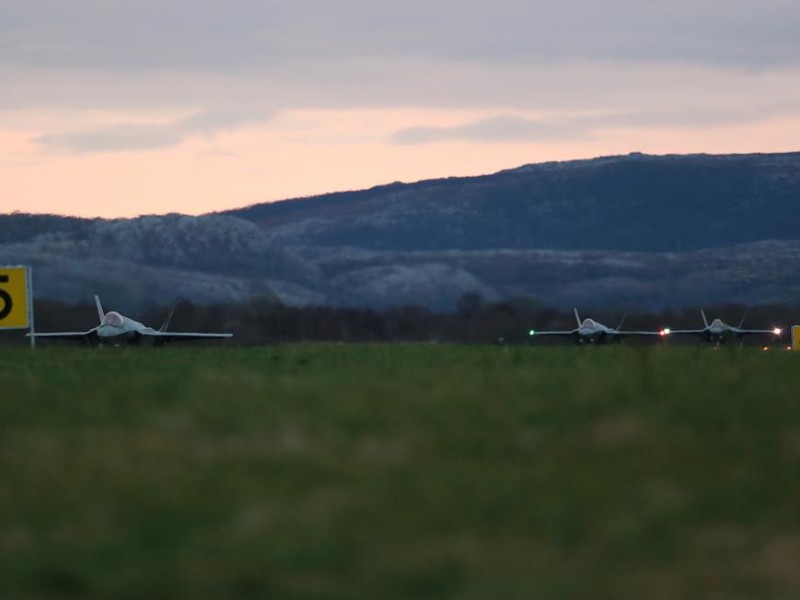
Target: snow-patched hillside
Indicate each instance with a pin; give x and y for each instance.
(637, 231)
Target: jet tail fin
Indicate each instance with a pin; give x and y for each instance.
(577, 317)
(705, 321)
(743, 318)
(165, 324)
(100, 313)
(622, 321)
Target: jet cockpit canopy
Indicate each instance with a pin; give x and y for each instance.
(113, 319)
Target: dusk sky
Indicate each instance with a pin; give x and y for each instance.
(125, 107)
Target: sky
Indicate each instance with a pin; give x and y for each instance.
(116, 108)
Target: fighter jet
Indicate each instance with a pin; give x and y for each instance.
(118, 330)
(592, 332)
(718, 331)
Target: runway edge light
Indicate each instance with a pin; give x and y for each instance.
(16, 299)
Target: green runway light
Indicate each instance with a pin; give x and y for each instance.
(532, 332)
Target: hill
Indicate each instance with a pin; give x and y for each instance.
(636, 230)
(133, 263)
(634, 203)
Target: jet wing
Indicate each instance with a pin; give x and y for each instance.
(173, 336)
(68, 335)
(685, 332)
(535, 333)
(626, 332)
(738, 331)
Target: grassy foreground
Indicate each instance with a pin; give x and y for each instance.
(337, 471)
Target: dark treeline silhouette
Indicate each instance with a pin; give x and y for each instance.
(266, 320)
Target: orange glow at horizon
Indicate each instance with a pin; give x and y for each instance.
(308, 152)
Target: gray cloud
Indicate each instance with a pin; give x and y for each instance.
(381, 83)
(510, 56)
(503, 128)
(514, 128)
(209, 35)
(151, 136)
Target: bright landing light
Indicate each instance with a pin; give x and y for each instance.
(532, 332)
(777, 331)
(665, 331)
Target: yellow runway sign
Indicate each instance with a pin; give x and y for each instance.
(14, 298)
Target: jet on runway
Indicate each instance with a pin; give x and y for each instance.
(592, 332)
(117, 330)
(717, 332)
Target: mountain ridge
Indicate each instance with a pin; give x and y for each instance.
(634, 202)
(633, 230)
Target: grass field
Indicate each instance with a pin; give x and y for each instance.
(355, 471)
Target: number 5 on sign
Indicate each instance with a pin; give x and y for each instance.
(14, 298)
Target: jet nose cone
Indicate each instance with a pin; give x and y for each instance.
(105, 331)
